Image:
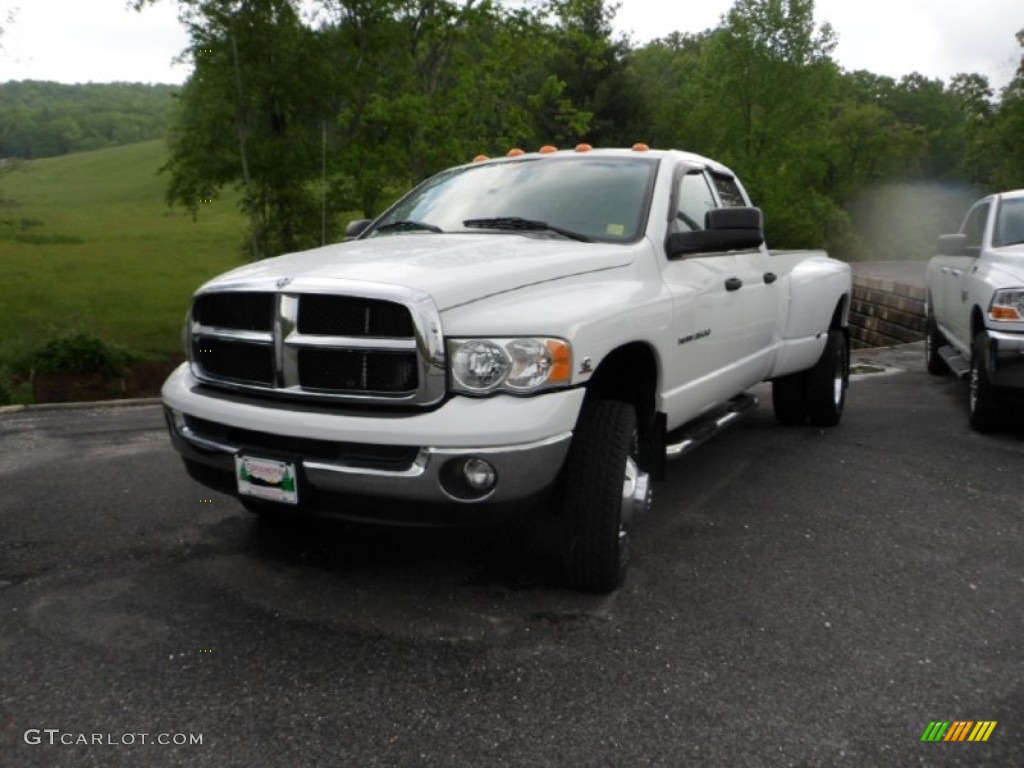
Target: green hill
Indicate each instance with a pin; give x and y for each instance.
(88, 244)
(45, 119)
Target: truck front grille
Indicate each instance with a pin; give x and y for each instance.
(344, 347)
(353, 316)
(243, 311)
(235, 360)
(357, 371)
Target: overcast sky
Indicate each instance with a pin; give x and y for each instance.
(72, 41)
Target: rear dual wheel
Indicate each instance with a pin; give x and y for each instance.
(817, 395)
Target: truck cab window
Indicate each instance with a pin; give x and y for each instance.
(728, 191)
(693, 200)
(974, 226)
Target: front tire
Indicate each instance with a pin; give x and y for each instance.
(984, 407)
(603, 489)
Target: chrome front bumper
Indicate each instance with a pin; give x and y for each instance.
(522, 470)
(1006, 359)
(411, 457)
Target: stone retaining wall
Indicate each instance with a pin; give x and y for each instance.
(886, 311)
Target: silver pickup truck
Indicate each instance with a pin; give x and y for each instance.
(975, 306)
(547, 327)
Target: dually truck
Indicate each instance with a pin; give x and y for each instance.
(538, 331)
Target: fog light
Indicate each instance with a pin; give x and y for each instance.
(179, 421)
(479, 475)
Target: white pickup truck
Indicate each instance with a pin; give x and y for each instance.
(975, 306)
(539, 331)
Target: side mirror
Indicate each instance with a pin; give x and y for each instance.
(726, 229)
(356, 228)
(952, 245)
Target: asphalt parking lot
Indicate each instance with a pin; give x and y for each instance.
(799, 597)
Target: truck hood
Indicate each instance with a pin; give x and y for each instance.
(454, 269)
(1008, 264)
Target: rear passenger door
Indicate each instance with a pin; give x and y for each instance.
(758, 292)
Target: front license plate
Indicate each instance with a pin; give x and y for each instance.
(267, 479)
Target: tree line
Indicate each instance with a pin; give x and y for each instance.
(319, 108)
(43, 119)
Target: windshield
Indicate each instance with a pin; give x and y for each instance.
(585, 198)
(1010, 224)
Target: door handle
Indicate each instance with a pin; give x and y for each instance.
(770, 277)
(733, 284)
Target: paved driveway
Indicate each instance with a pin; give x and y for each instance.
(799, 597)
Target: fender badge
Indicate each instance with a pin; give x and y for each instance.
(283, 281)
(586, 365)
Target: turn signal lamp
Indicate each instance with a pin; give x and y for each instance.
(1007, 305)
(561, 360)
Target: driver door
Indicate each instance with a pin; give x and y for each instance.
(707, 310)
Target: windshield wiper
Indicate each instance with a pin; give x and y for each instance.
(408, 225)
(518, 224)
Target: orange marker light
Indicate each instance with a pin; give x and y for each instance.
(516, 152)
(561, 364)
(640, 147)
(583, 147)
(547, 149)
(999, 312)
(480, 158)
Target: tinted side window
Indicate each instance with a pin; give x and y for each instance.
(1010, 223)
(693, 201)
(974, 225)
(728, 191)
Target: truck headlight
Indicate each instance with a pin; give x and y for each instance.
(1007, 305)
(519, 366)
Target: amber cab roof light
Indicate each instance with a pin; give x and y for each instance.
(550, 149)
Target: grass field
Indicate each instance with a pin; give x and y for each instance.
(87, 244)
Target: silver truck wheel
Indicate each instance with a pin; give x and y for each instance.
(828, 381)
(604, 489)
(983, 399)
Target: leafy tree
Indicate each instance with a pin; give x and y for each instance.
(999, 146)
(598, 83)
(760, 102)
(249, 115)
(664, 74)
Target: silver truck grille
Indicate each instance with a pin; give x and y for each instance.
(363, 347)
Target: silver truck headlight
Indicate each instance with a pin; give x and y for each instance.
(519, 366)
(1007, 305)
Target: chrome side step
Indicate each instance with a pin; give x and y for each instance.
(955, 361)
(689, 436)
